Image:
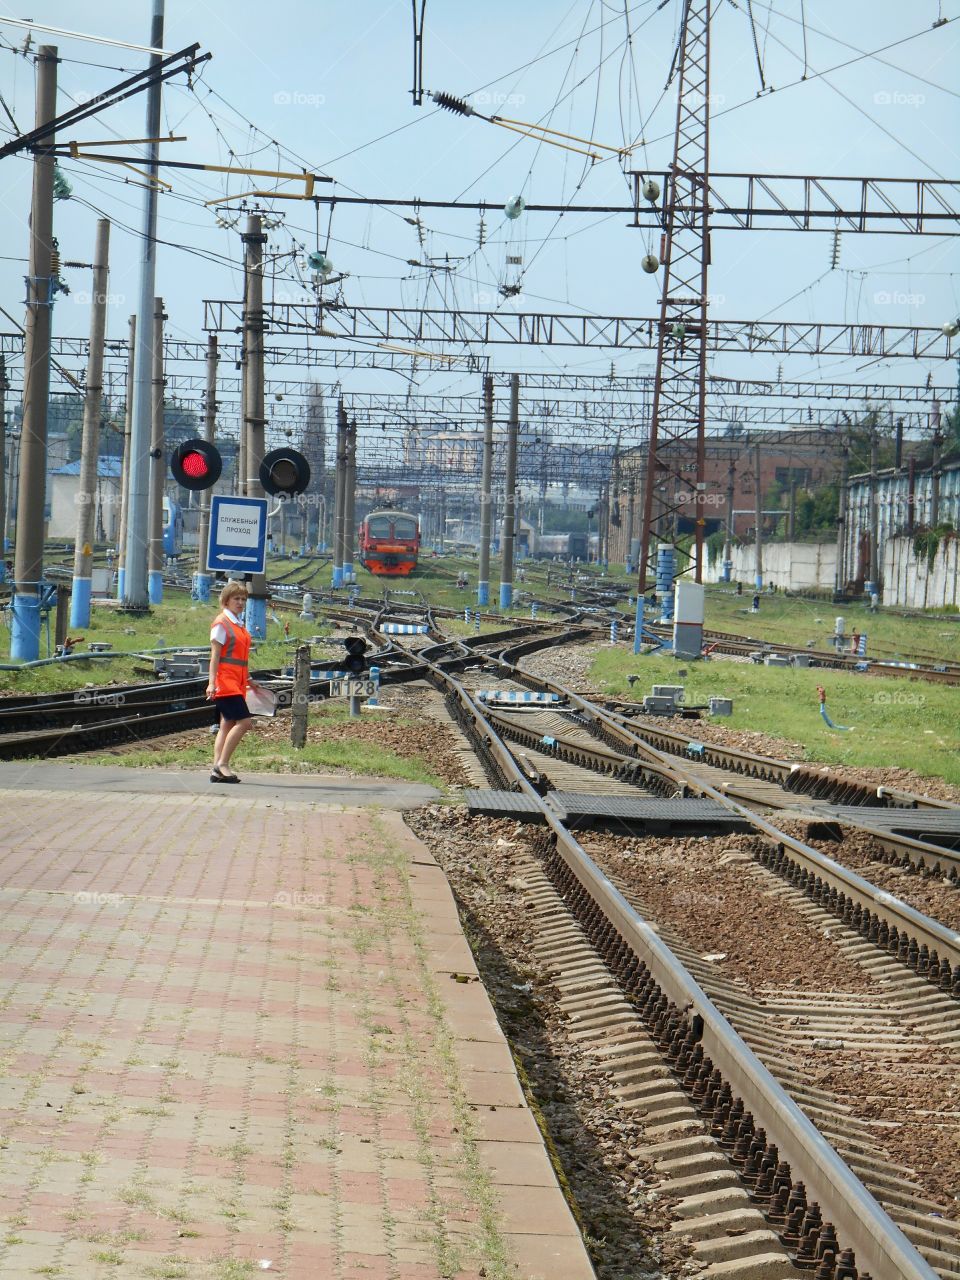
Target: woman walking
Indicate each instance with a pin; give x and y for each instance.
(229, 678)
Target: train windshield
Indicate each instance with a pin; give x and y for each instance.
(378, 526)
(404, 527)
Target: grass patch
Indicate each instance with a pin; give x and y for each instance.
(178, 621)
(788, 620)
(900, 723)
(278, 755)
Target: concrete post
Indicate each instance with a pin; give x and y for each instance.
(301, 696)
(631, 517)
(486, 498)
(841, 580)
(90, 439)
(157, 462)
(135, 588)
(350, 502)
(726, 571)
(508, 533)
(31, 491)
(758, 540)
(125, 465)
(254, 420)
(935, 468)
(339, 494)
(871, 586)
(4, 388)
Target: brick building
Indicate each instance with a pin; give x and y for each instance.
(806, 459)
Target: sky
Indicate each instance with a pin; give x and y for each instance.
(328, 87)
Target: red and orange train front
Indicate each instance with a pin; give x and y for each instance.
(390, 543)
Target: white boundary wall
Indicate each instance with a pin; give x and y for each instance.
(907, 580)
(791, 566)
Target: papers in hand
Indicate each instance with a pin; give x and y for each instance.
(261, 702)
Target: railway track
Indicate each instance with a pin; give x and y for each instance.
(673, 1032)
(934, 671)
(617, 976)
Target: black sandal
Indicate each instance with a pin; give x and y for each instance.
(218, 776)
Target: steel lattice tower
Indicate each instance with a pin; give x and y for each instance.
(674, 480)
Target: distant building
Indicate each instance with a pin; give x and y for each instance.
(64, 491)
(807, 459)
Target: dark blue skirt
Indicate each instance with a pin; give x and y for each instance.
(233, 707)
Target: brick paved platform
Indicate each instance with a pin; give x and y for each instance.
(242, 1035)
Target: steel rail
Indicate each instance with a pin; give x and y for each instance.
(688, 1017)
(861, 899)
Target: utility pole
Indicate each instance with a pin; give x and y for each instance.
(935, 468)
(4, 388)
(486, 497)
(508, 534)
(841, 580)
(254, 421)
(155, 491)
(758, 542)
(350, 503)
(125, 465)
(31, 494)
(202, 578)
(135, 588)
(726, 571)
(631, 517)
(339, 492)
(792, 511)
(872, 586)
(90, 440)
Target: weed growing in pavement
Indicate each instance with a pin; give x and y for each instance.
(233, 1268)
(389, 865)
(172, 1268)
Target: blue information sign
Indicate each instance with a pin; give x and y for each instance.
(238, 535)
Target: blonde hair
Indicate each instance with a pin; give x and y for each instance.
(232, 589)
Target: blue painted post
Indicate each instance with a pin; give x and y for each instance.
(375, 677)
(466, 613)
(638, 624)
(255, 617)
(666, 561)
(614, 636)
(25, 627)
(476, 622)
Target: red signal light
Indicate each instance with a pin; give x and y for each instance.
(195, 465)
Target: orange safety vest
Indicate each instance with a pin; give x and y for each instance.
(232, 674)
